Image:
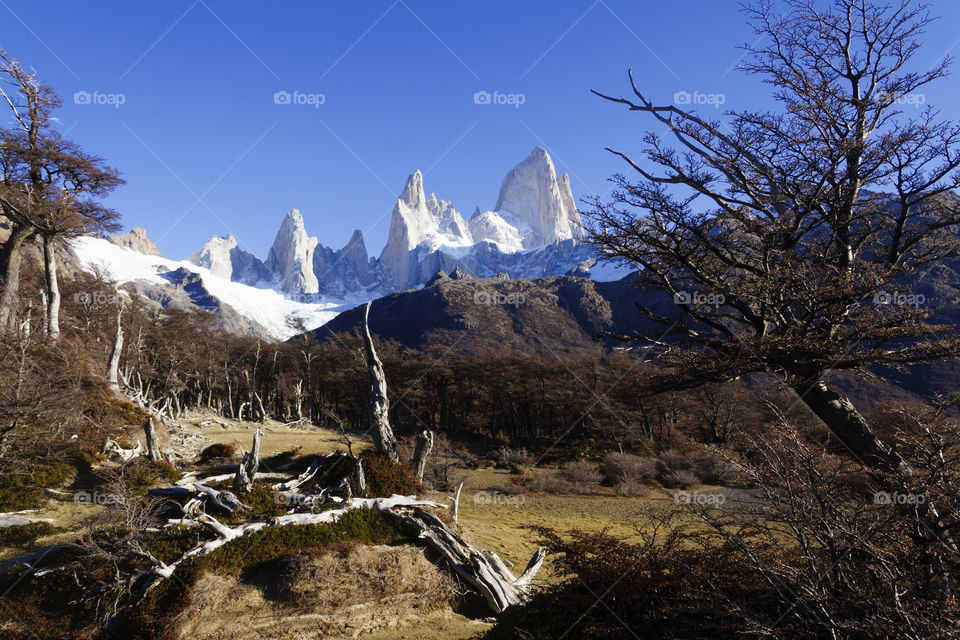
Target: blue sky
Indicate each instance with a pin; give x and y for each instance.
(384, 87)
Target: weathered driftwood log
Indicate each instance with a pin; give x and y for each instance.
(422, 451)
(110, 447)
(484, 570)
(199, 494)
(378, 408)
(223, 477)
(293, 484)
(247, 470)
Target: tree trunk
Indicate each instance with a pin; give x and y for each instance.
(153, 443)
(422, 451)
(243, 481)
(53, 287)
(10, 300)
(849, 426)
(114, 363)
(378, 405)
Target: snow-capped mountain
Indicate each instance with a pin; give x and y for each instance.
(534, 231)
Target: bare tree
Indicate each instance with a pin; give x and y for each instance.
(49, 186)
(781, 234)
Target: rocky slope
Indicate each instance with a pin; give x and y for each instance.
(558, 315)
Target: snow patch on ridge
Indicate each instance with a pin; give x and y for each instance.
(266, 306)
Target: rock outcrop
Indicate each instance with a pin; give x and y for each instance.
(291, 257)
(136, 239)
(225, 259)
(534, 195)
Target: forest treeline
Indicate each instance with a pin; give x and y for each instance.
(179, 362)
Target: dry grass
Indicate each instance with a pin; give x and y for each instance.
(498, 521)
(349, 592)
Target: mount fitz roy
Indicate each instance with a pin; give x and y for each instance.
(533, 232)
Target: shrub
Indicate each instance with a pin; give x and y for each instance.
(712, 468)
(583, 476)
(632, 488)
(26, 534)
(680, 478)
(545, 482)
(513, 459)
(676, 469)
(141, 474)
(386, 478)
(19, 492)
(365, 526)
(218, 452)
(263, 504)
(625, 467)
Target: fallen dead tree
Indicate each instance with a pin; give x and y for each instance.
(482, 570)
(111, 448)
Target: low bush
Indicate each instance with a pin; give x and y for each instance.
(386, 478)
(583, 476)
(621, 467)
(679, 479)
(141, 474)
(365, 526)
(25, 535)
(218, 452)
(23, 491)
(628, 474)
(512, 459)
